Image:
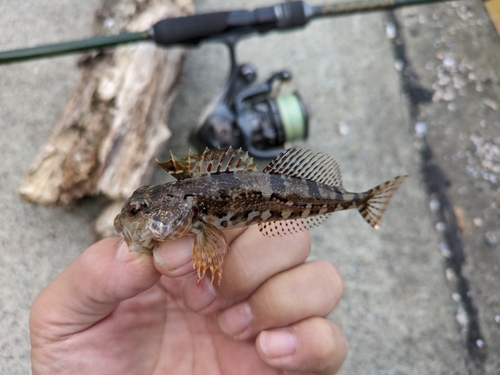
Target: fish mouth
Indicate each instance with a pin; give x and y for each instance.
(144, 246)
(127, 239)
(118, 225)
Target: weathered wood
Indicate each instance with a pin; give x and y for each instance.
(103, 224)
(115, 121)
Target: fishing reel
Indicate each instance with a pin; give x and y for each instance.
(249, 115)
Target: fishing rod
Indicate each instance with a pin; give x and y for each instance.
(244, 113)
(193, 29)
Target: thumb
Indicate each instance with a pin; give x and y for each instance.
(90, 288)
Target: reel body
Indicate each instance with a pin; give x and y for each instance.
(247, 115)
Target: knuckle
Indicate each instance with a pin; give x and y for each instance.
(302, 240)
(329, 284)
(330, 275)
(331, 344)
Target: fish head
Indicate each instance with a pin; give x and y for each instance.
(153, 214)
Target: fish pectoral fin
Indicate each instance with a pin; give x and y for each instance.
(209, 250)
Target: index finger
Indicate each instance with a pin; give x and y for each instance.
(174, 258)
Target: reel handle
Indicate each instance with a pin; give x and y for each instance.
(195, 28)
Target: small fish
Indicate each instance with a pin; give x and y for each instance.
(222, 189)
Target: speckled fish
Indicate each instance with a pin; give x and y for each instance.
(222, 189)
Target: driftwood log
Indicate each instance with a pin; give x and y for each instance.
(114, 124)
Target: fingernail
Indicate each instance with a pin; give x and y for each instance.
(174, 254)
(277, 343)
(124, 254)
(235, 320)
(198, 296)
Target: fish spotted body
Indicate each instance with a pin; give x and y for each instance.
(222, 189)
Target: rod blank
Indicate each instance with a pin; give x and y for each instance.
(190, 30)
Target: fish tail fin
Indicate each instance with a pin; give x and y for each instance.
(378, 199)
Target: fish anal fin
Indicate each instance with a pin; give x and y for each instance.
(284, 227)
(377, 200)
(208, 162)
(313, 221)
(280, 228)
(307, 164)
(210, 248)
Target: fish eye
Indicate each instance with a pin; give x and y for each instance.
(136, 206)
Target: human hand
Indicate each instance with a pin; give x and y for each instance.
(113, 311)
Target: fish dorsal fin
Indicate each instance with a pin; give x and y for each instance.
(307, 164)
(208, 162)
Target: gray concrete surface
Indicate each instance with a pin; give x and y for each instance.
(400, 310)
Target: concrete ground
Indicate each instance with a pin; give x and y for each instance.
(416, 91)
